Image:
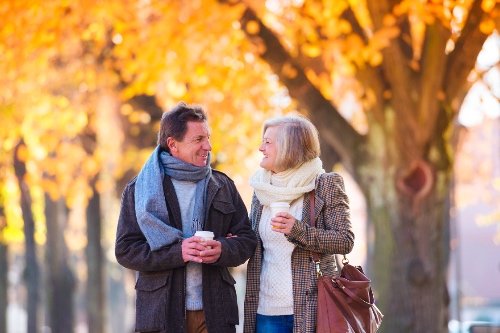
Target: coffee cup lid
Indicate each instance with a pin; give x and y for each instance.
(203, 233)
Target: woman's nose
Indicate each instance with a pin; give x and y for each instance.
(261, 147)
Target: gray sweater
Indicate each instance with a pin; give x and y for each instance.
(185, 191)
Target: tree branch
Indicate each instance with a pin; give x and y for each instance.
(334, 129)
(397, 74)
(462, 59)
(433, 64)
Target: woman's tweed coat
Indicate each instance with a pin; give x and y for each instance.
(333, 234)
(160, 286)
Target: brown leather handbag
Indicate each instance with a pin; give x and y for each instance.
(345, 303)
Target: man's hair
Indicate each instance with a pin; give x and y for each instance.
(174, 122)
(297, 141)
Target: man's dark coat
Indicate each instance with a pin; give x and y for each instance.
(160, 286)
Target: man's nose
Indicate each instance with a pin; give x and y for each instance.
(207, 145)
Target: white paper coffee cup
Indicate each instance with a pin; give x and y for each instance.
(279, 207)
(207, 235)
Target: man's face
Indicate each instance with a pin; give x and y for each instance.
(194, 148)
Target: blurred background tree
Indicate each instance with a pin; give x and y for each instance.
(86, 82)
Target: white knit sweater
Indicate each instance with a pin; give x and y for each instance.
(276, 290)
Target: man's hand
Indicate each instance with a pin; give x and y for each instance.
(191, 249)
(211, 255)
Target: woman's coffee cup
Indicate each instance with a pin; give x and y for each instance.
(279, 207)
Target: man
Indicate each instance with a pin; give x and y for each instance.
(183, 283)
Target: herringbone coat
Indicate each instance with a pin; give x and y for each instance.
(333, 235)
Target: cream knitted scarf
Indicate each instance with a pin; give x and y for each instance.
(287, 185)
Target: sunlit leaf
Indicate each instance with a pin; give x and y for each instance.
(252, 27)
(311, 50)
(487, 26)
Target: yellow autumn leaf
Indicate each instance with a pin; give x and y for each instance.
(389, 20)
(376, 59)
(311, 50)
(22, 153)
(348, 69)
(345, 27)
(488, 5)
(289, 71)
(12, 235)
(51, 188)
(176, 89)
(252, 27)
(487, 26)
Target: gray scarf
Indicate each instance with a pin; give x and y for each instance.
(150, 206)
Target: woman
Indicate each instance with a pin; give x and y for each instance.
(281, 293)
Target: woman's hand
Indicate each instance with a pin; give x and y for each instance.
(283, 222)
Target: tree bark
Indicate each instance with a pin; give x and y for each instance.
(60, 278)
(4, 269)
(96, 290)
(31, 272)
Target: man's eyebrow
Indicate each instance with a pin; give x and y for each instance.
(200, 137)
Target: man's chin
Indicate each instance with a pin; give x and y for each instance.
(202, 163)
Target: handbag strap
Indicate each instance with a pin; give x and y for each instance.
(313, 224)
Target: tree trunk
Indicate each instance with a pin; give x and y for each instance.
(406, 204)
(96, 290)
(4, 269)
(96, 281)
(31, 270)
(60, 278)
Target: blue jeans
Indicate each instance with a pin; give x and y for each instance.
(274, 324)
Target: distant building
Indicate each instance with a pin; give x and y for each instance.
(474, 275)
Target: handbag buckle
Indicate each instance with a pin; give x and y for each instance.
(318, 270)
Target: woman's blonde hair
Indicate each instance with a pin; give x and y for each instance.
(297, 140)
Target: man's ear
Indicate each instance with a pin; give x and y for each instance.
(172, 144)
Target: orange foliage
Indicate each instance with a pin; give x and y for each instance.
(58, 57)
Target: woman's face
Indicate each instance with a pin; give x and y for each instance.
(269, 149)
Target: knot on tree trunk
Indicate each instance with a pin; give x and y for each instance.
(417, 273)
(415, 180)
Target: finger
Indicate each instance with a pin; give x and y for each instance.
(196, 259)
(195, 240)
